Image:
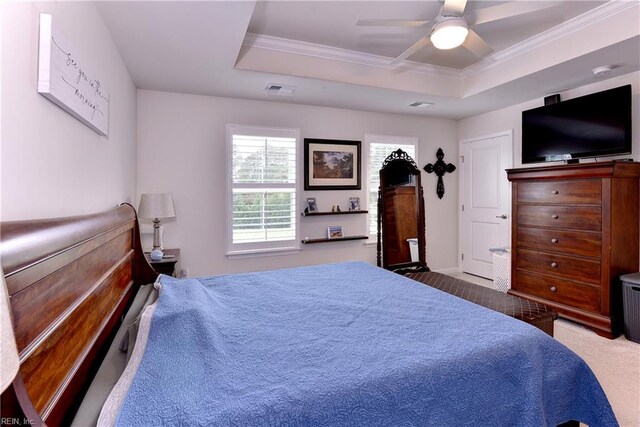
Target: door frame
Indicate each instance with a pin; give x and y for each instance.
(461, 179)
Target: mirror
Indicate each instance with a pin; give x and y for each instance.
(401, 223)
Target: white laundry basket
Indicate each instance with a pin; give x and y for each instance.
(413, 249)
(501, 269)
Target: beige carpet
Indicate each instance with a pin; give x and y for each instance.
(616, 364)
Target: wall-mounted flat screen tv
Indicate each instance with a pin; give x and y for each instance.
(593, 125)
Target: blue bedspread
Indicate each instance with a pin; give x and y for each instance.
(349, 344)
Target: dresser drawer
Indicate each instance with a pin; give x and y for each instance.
(543, 262)
(583, 243)
(574, 294)
(581, 191)
(576, 217)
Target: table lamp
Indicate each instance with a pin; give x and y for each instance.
(9, 359)
(156, 206)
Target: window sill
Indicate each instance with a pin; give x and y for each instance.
(255, 253)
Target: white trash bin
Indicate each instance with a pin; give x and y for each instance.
(501, 269)
(413, 249)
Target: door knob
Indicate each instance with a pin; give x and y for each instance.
(503, 216)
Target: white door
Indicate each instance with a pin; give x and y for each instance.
(486, 200)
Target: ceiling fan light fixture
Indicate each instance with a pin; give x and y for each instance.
(449, 33)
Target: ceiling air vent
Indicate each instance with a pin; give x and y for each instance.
(420, 104)
(280, 90)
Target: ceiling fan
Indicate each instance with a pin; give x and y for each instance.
(451, 28)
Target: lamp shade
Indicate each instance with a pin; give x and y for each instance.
(449, 33)
(9, 359)
(156, 205)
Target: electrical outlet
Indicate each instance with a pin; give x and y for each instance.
(184, 272)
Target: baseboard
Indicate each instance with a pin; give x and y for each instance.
(448, 270)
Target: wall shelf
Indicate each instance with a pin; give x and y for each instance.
(337, 239)
(333, 213)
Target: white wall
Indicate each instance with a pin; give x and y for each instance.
(181, 149)
(51, 163)
(511, 117)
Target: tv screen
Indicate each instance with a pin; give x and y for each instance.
(589, 126)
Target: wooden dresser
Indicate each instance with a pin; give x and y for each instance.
(574, 233)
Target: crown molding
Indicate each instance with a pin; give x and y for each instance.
(337, 54)
(597, 14)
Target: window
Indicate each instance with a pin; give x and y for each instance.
(262, 189)
(380, 147)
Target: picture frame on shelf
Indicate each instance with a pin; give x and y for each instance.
(335, 232)
(331, 164)
(354, 204)
(312, 205)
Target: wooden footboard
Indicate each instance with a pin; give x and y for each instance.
(69, 280)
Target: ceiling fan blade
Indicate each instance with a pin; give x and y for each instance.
(424, 41)
(506, 10)
(390, 23)
(477, 45)
(454, 7)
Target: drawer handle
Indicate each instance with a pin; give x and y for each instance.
(554, 192)
(554, 240)
(553, 289)
(554, 216)
(554, 265)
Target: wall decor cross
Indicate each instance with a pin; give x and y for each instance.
(440, 168)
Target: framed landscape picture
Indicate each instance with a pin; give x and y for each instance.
(331, 164)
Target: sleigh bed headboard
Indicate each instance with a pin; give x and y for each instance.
(69, 281)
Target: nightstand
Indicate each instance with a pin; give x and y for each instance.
(168, 263)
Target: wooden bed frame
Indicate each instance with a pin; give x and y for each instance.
(70, 280)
